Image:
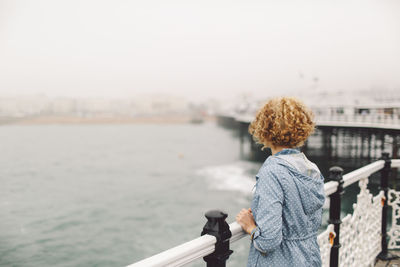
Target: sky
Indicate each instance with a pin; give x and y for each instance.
(198, 49)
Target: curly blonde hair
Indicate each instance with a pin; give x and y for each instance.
(283, 121)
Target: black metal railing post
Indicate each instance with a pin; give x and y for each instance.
(384, 254)
(218, 227)
(336, 174)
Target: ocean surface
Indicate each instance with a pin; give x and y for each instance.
(110, 195)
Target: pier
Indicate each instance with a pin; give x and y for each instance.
(336, 136)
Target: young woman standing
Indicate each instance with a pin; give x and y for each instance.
(286, 209)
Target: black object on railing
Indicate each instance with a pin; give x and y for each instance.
(335, 174)
(384, 254)
(218, 227)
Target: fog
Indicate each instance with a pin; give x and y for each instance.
(198, 49)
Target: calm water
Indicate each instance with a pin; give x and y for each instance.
(110, 195)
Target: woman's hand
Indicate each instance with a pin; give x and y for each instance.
(246, 220)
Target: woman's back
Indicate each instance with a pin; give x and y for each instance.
(287, 208)
(305, 194)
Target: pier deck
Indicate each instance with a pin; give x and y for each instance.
(392, 263)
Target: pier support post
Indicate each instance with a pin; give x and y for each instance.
(336, 174)
(384, 254)
(218, 227)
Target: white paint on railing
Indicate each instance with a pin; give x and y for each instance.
(361, 118)
(363, 172)
(354, 176)
(330, 188)
(189, 251)
(360, 232)
(345, 121)
(394, 232)
(359, 121)
(395, 163)
(356, 124)
(237, 232)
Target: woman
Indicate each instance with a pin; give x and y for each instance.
(286, 209)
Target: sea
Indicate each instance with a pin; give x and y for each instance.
(113, 194)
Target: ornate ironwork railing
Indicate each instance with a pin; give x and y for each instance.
(394, 203)
(356, 240)
(394, 233)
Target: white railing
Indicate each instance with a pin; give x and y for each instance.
(364, 121)
(325, 240)
(394, 202)
(363, 172)
(372, 118)
(357, 235)
(360, 232)
(395, 163)
(189, 251)
(394, 233)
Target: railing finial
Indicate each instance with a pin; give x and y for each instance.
(218, 227)
(335, 173)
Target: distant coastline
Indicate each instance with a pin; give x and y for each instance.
(148, 119)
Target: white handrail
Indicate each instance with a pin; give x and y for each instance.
(362, 172)
(237, 232)
(361, 121)
(330, 187)
(189, 251)
(357, 124)
(355, 176)
(395, 163)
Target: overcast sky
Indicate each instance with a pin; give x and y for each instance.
(206, 48)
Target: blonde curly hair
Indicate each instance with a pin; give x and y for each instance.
(284, 122)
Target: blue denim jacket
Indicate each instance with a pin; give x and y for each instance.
(287, 208)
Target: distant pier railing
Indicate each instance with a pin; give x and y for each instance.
(354, 121)
(355, 240)
(360, 121)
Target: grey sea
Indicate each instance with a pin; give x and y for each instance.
(110, 195)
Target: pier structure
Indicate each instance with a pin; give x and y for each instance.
(336, 136)
(366, 129)
(357, 239)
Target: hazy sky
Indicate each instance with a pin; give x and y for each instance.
(205, 48)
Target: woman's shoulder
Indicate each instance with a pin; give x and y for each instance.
(274, 163)
(273, 167)
(272, 176)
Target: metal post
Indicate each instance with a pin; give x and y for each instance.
(335, 174)
(384, 254)
(218, 227)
